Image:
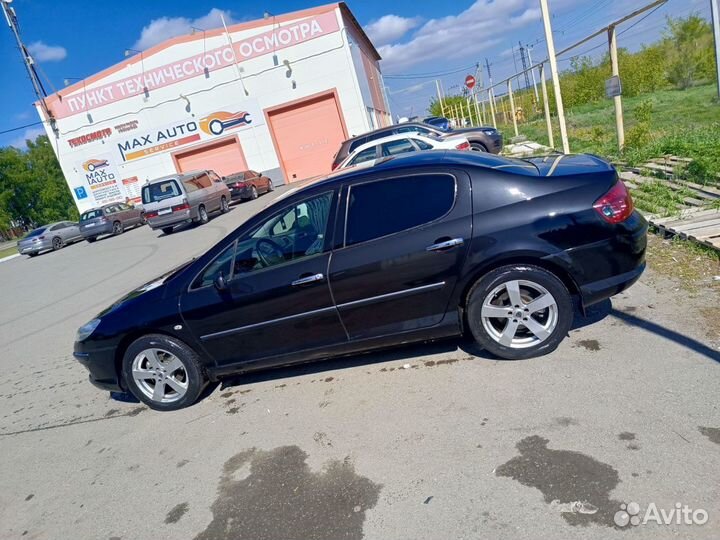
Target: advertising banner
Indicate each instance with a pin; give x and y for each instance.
(100, 183)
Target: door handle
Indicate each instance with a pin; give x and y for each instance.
(447, 244)
(307, 279)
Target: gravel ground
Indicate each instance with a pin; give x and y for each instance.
(420, 442)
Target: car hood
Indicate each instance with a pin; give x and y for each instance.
(458, 131)
(155, 286)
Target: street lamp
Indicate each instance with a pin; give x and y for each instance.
(68, 81)
(266, 16)
(129, 52)
(194, 31)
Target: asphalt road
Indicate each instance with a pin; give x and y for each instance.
(422, 442)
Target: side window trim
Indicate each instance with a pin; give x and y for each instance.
(344, 244)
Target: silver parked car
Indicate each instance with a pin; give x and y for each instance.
(54, 236)
(182, 198)
(112, 219)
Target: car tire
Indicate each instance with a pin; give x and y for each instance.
(33, 254)
(117, 228)
(168, 230)
(477, 147)
(253, 193)
(91, 239)
(202, 215)
(168, 362)
(499, 325)
(224, 206)
(57, 243)
(271, 187)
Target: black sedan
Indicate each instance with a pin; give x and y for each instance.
(419, 247)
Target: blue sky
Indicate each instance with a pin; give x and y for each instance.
(78, 38)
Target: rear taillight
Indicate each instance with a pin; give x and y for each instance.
(335, 166)
(463, 146)
(151, 215)
(179, 207)
(616, 205)
(239, 185)
(41, 237)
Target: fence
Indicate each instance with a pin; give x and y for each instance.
(504, 104)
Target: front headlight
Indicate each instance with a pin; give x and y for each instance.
(86, 329)
(489, 131)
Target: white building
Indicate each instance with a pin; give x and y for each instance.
(277, 95)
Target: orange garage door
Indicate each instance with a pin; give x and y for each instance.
(225, 157)
(307, 135)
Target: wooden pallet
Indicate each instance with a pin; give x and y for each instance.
(702, 226)
(695, 222)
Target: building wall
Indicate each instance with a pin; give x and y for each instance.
(132, 135)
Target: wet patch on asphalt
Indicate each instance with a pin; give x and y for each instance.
(589, 344)
(711, 433)
(566, 421)
(626, 436)
(577, 485)
(182, 463)
(278, 496)
(178, 511)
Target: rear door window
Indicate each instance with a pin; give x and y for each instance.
(422, 145)
(394, 148)
(160, 191)
(386, 207)
(365, 155)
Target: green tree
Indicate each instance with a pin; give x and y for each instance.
(689, 48)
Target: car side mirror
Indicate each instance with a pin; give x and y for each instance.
(220, 282)
(223, 178)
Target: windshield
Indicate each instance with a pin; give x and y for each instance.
(36, 232)
(160, 191)
(92, 214)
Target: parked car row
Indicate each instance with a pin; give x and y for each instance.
(480, 139)
(166, 203)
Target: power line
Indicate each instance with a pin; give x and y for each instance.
(427, 75)
(21, 127)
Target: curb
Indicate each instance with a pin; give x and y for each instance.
(9, 257)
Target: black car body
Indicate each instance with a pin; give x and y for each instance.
(247, 185)
(399, 255)
(482, 139)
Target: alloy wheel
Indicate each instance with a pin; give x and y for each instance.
(519, 314)
(160, 375)
(56, 243)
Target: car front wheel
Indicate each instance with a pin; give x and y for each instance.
(477, 147)
(519, 311)
(202, 215)
(163, 372)
(224, 206)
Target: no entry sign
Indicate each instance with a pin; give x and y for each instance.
(470, 81)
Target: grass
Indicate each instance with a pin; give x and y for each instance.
(693, 265)
(8, 251)
(686, 122)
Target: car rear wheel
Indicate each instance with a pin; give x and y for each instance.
(224, 206)
(519, 311)
(477, 147)
(202, 215)
(271, 187)
(117, 228)
(91, 239)
(163, 372)
(168, 230)
(57, 243)
(253, 193)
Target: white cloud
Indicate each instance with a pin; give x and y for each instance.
(47, 53)
(168, 27)
(30, 133)
(390, 28)
(480, 27)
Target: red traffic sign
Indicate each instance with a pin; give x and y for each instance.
(470, 81)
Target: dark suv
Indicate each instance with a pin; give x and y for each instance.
(481, 139)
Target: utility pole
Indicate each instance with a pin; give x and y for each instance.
(716, 31)
(550, 40)
(491, 95)
(546, 107)
(40, 92)
(442, 107)
(532, 72)
(524, 65)
(619, 124)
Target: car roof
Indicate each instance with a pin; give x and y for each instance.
(394, 126)
(178, 176)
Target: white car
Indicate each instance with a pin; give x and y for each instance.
(367, 154)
